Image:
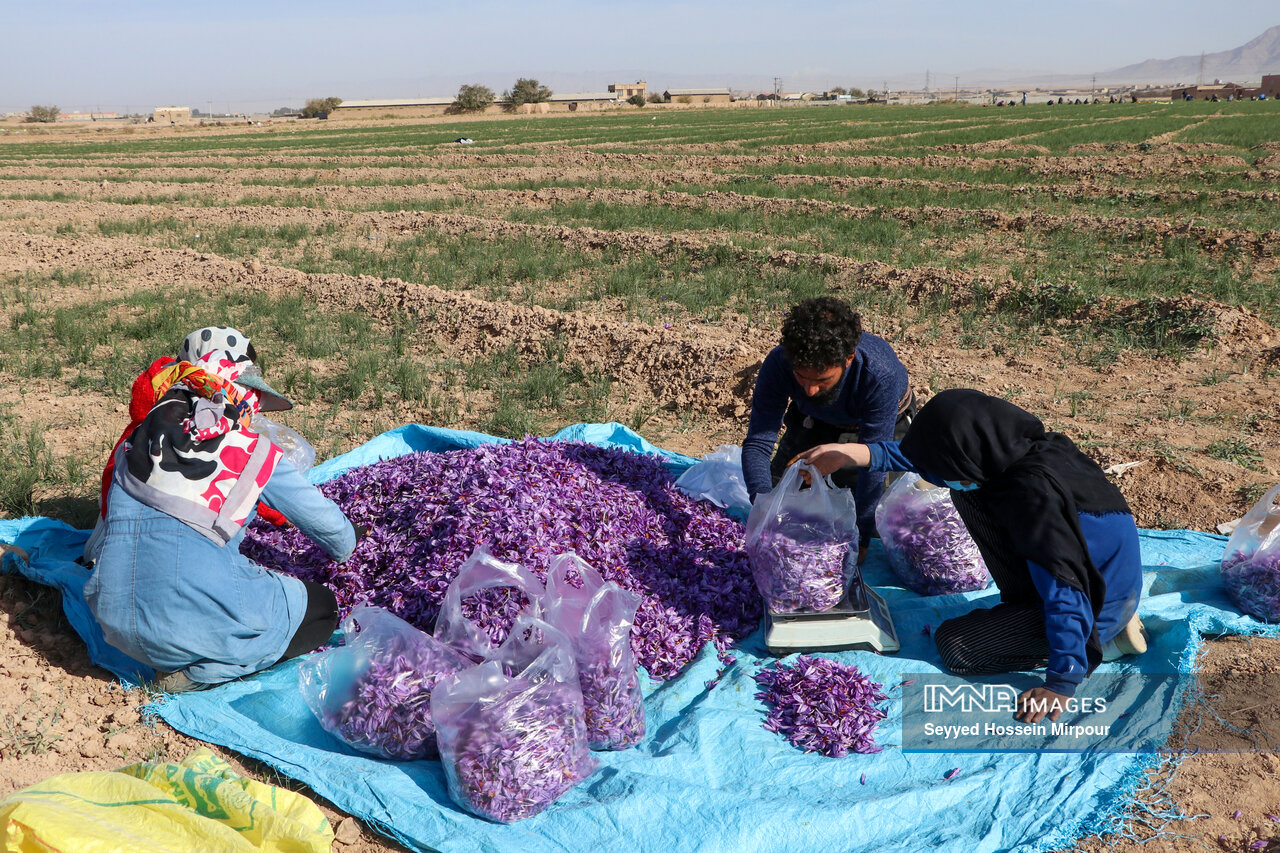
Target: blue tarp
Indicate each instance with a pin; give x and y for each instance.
(708, 777)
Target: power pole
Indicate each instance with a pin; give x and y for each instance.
(956, 96)
(777, 90)
(926, 81)
(1200, 73)
(1093, 87)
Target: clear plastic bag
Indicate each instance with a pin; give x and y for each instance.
(481, 602)
(1258, 529)
(1251, 563)
(597, 618)
(927, 543)
(718, 478)
(374, 692)
(797, 540)
(296, 448)
(512, 735)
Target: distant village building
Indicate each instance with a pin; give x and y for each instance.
(1221, 91)
(1270, 85)
(88, 116)
(423, 107)
(622, 91)
(392, 108)
(576, 101)
(171, 115)
(698, 96)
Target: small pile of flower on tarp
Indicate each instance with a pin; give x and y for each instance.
(529, 501)
(822, 706)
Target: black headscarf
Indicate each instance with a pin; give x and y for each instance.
(1031, 484)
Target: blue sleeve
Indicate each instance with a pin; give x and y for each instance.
(1068, 622)
(315, 515)
(887, 456)
(768, 406)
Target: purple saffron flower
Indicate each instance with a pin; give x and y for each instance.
(529, 501)
(822, 706)
(795, 574)
(927, 544)
(375, 692)
(1254, 584)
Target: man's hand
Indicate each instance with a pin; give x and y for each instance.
(829, 458)
(1040, 702)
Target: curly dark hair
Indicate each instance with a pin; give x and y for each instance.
(821, 332)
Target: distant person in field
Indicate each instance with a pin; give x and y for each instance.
(1057, 535)
(827, 381)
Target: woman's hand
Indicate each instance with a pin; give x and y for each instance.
(828, 458)
(1040, 702)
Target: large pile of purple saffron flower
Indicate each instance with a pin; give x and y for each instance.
(797, 574)
(822, 706)
(1254, 585)
(389, 713)
(512, 757)
(927, 543)
(528, 501)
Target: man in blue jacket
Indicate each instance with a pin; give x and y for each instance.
(827, 382)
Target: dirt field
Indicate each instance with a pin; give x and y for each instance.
(642, 267)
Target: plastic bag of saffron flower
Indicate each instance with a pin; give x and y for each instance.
(928, 545)
(511, 730)
(822, 706)
(596, 615)
(797, 538)
(1254, 583)
(374, 692)
(482, 602)
(1259, 529)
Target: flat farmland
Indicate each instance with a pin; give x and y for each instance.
(1114, 268)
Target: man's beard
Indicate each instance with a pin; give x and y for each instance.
(829, 396)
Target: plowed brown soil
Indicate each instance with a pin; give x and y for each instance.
(693, 376)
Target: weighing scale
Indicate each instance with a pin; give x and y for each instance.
(860, 621)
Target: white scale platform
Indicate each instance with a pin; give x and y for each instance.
(860, 621)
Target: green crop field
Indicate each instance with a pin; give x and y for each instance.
(1100, 238)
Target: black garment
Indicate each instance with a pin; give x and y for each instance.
(990, 640)
(318, 621)
(1032, 483)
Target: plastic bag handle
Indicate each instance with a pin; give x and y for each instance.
(793, 475)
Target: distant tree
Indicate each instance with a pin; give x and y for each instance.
(656, 98)
(281, 111)
(320, 107)
(838, 90)
(856, 93)
(195, 112)
(472, 98)
(638, 99)
(44, 114)
(526, 91)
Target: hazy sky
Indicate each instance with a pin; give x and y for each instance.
(261, 54)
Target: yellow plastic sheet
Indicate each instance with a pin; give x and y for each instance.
(199, 804)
